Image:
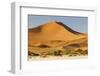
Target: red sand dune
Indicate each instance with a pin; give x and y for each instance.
(53, 31)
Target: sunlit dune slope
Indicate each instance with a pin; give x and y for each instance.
(53, 32)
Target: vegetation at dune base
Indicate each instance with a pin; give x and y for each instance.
(59, 52)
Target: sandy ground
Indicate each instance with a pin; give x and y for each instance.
(57, 58)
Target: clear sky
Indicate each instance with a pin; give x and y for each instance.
(79, 24)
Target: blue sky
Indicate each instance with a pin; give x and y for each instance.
(79, 24)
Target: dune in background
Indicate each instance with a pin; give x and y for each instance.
(56, 38)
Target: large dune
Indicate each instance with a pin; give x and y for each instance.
(52, 32)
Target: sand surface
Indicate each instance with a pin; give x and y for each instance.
(64, 57)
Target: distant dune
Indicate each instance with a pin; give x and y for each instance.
(52, 32)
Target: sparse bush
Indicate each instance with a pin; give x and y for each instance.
(32, 54)
(79, 50)
(29, 53)
(70, 55)
(58, 53)
(85, 52)
(55, 53)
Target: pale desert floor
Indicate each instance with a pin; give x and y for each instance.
(64, 57)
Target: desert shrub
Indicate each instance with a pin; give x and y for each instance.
(85, 52)
(71, 52)
(70, 55)
(33, 54)
(29, 53)
(79, 50)
(58, 53)
(55, 53)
